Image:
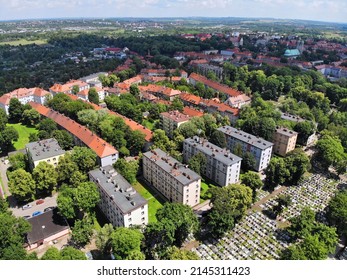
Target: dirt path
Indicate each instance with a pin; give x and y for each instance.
(256, 205)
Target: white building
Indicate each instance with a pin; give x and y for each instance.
(175, 181)
(258, 147)
(169, 121)
(120, 202)
(222, 166)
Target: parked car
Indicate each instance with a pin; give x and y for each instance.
(36, 213)
(40, 201)
(26, 217)
(26, 206)
(48, 208)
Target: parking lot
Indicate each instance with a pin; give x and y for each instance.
(48, 202)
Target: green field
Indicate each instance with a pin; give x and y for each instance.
(23, 42)
(23, 132)
(205, 186)
(154, 201)
(148, 124)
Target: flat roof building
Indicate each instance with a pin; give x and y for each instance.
(47, 150)
(258, 147)
(174, 180)
(284, 140)
(222, 166)
(120, 202)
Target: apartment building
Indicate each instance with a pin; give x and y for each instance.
(174, 180)
(169, 121)
(68, 87)
(258, 147)
(44, 150)
(24, 95)
(222, 166)
(120, 202)
(284, 141)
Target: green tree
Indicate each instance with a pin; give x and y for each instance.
(229, 205)
(136, 255)
(252, 179)
(103, 239)
(65, 168)
(182, 217)
(7, 136)
(19, 161)
(45, 177)
(64, 139)
(337, 212)
(82, 231)
(51, 254)
(70, 253)
(33, 137)
(128, 169)
(124, 241)
(84, 157)
(15, 110)
(276, 173)
(283, 201)
(174, 253)
(3, 119)
(30, 117)
(176, 104)
(66, 203)
(12, 232)
(305, 129)
(75, 89)
(134, 90)
(198, 163)
(86, 196)
(47, 125)
(22, 185)
(135, 141)
(330, 151)
(218, 138)
(93, 96)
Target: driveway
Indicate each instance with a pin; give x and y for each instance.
(49, 202)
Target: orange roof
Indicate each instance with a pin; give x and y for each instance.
(221, 107)
(68, 86)
(134, 80)
(21, 93)
(216, 86)
(192, 112)
(176, 116)
(191, 98)
(98, 145)
(160, 89)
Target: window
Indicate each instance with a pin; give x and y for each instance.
(54, 159)
(143, 212)
(142, 219)
(129, 220)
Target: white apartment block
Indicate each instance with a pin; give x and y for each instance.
(258, 147)
(120, 202)
(175, 181)
(222, 166)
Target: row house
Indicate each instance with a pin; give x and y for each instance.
(68, 87)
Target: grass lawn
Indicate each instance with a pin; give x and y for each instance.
(155, 202)
(23, 42)
(23, 132)
(148, 124)
(206, 184)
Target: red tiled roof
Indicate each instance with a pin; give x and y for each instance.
(21, 93)
(192, 112)
(191, 98)
(68, 86)
(98, 145)
(216, 86)
(176, 116)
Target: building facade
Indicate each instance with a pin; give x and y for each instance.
(258, 147)
(120, 202)
(284, 141)
(222, 166)
(175, 181)
(169, 121)
(44, 150)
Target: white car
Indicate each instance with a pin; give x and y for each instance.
(27, 206)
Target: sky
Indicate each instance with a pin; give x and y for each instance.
(322, 10)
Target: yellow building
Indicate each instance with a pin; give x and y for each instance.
(284, 141)
(44, 150)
